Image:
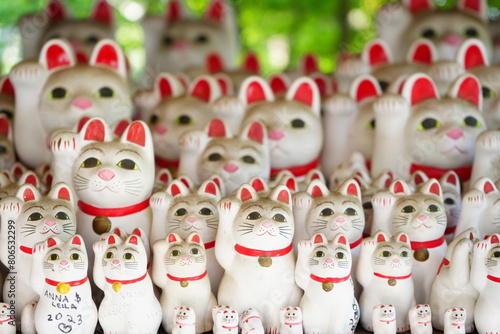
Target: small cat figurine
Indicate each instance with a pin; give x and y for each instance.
(184, 320)
(254, 246)
(179, 269)
(421, 215)
(454, 322)
(420, 317)
(120, 270)
(59, 277)
(7, 319)
(234, 159)
(7, 154)
(113, 178)
(291, 320)
(385, 273)
(49, 97)
(384, 319)
(225, 321)
(323, 272)
(28, 218)
(250, 322)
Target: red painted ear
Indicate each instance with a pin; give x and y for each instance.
(353, 188)
(475, 55)
(121, 127)
(278, 84)
(399, 187)
(214, 63)
(56, 10)
(342, 240)
(201, 89)
(419, 87)
(186, 181)
(319, 239)
(225, 84)
(291, 184)
(476, 7)
(419, 5)
(258, 184)
(107, 54)
(137, 232)
(76, 240)
(95, 130)
(494, 239)
(256, 132)
(364, 87)
(103, 13)
(488, 187)
(255, 92)
(381, 238)
(435, 188)
(251, 63)
(7, 87)
(111, 240)
(211, 188)
(133, 240)
(4, 126)
(452, 179)
(51, 242)
(468, 87)
(164, 87)
(31, 179)
(117, 231)
(245, 193)
(309, 64)
(55, 54)
(322, 85)
(317, 191)
(174, 11)
(172, 237)
(215, 11)
(137, 133)
(305, 94)
(216, 128)
(165, 177)
(284, 196)
(377, 53)
(422, 51)
(64, 193)
(82, 122)
(195, 237)
(28, 195)
(174, 190)
(404, 238)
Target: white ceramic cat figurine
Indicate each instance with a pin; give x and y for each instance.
(55, 92)
(113, 178)
(225, 321)
(7, 319)
(323, 272)
(250, 322)
(486, 156)
(120, 270)
(452, 199)
(455, 321)
(254, 246)
(293, 123)
(420, 317)
(452, 285)
(385, 273)
(421, 215)
(419, 131)
(291, 320)
(28, 218)
(179, 269)
(384, 319)
(215, 151)
(184, 320)
(59, 277)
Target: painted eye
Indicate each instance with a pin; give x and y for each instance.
(371, 125)
(428, 33)
(3, 149)
(495, 254)
(175, 252)
(92, 39)
(105, 92)
(487, 92)
(90, 163)
(429, 123)
(154, 119)
(405, 254)
(350, 212)
(35, 216)
(279, 218)
(58, 93)
(449, 201)
(367, 205)
(298, 124)
(184, 120)
(326, 212)
(319, 254)
(109, 255)
(471, 121)
(195, 251)
(53, 257)
(206, 212)
(433, 208)
(181, 212)
(385, 254)
(62, 215)
(248, 159)
(201, 39)
(128, 256)
(7, 113)
(340, 255)
(75, 256)
(127, 164)
(383, 85)
(471, 32)
(168, 40)
(408, 209)
(254, 216)
(214, 157)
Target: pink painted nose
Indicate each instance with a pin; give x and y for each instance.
(64, 263)
(455, 133)
(180, 45)
(267, 224)
(185, 258)
(50, 223)
(160, 129)
(231, 168)
(453, 40)
(116, 261)
(395, 260)
(276, 134)
(191, 219)
(422, 217)
(82, 103)
(340, 220)
(329, 260)
(106, 175)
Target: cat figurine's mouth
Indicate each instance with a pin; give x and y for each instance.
(50, 230)
(455, 148)
(328, 265)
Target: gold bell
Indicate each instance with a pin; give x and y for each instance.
(265, 261)
(117, 286)
(421, 254)
(327, 286)
(392, 282)
(63, 288)
(184, 283)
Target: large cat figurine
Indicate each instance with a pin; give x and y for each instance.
(293, 123)
(178, 42)
(216, 151)
(179, 269)
(55, 92)
(26, 219)
(385, 273)
(254, 246)
(420, 131)
(323, 271)
(112, 178)
(59, 277)
(120, 270)
(421, 215)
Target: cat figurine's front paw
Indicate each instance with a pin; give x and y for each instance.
(488, 141)
(159, 201)
(390, 105)
(29, 72)
(339, 104)
(474, 199)
(194, 141)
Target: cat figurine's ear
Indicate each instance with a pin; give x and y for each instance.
(5, 127)
(138, 133)
(205, 88)
(323, 83)
(77, 240)
(340, 238)
(251, 63)
(316, 188)
(188, 182)
(178, 188)
(217, 128)
(210, 188)
(478, 8)
(350, 187)
(432, 186)
(195, 238)
(95, 129)
(399, 187)
(246, 192)
(418, 178)
(279, 84)
(309, 64)
(113, 240)
(451, 179)
(419, 87)
(319, 238)
(53, 241)
(62, 191)
(377, 52)
(28, 192)
(6, 87)
(305, 90)
(255, 89)
(107, 53)
(167, 85)
(56, 10)
(422, 51)
(103, 12)
(134, 240)
(402, 237)
(364, 87)
(256, 132)
(225, 84)
(416, 6)
(468, 88)
(56, 54)
(380, 236)
(218, 181)
(215, 11)
(281, 194)
(486, 185)
(173, 238)
(259, 184)
(472, 53)
(214, 63)
(175, 11)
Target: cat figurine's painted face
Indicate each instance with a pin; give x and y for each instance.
(65, 261)
(184, 318)
(392, 256)
(185, 258)
(291, 316)
(455, 320)
(383, 316)
(420, 316)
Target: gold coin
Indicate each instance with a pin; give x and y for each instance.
(421, 254)
(184, 283)
(101, 224)
(117, 287)
(327, 286)
(265, 261)
(392, 282)
(63, 288)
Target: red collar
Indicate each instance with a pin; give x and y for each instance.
(230, 327)
(463, 173)
(252, 317)
(164, 163)
(493, 278)
(293, 323)
(210, 244)
(257, 252)
(72, 283)
(26, 250)
(388, 320)
(356, 243)
(392, 277)
(450, 230)
(128, 281)
(194, 278)
(297, 170)
(427, 244)
(184, 324)
(6, 320)
(330, 279)
(113, 212)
